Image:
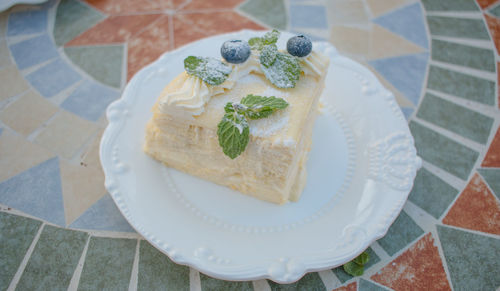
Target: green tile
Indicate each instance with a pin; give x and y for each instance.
(365, 285)
(431, 193)
(492, 177)
(473, 260)
(457, 27)
(458, 119)
(461, 85)
(495, 11)
(310, 282)
(401, 233)
(450, 5)
(270, 12)
(103, 63)
(212, 284)
(343, 276)
(16, 235)
(72, 18)
(108, 264)
(53, 260)
(158, 272)
(443, 152)
(463, 55)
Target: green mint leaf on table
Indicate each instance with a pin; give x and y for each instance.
(354, 269)
(362, 259)
(210, 70)
(258, 43)
(233, 133)
(268, 55)
(284, 72)
(260, 107)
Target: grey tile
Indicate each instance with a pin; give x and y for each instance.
(495, 10)
(16, 235)
(158, 272)
(108, 264)
(308, 16)
(450, 5)
(463, 55)
(458, 119)
(461, 85)
(53, 260)
(212, 284)
(457, 27)
(492, 177)
(310, 282)
(473, 260)
(33, 51)
(343, 276)
(270, 12)
(401, 233)
(431, 193)
(365, 285)
(53, 78)
(443, 152)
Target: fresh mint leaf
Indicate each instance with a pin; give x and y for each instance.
(233, 133)
(354, 269)
(258, 43)
(268, 55)
(362, 259)
(210, 70)
(257, 107)
(284, 72)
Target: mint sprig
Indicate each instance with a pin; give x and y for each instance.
(210, 70)
(284, 72)
(268, 55)
(258, 43)
(233, 130)
(356, 267)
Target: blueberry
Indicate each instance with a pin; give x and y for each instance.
(299, 46)
(235, 51)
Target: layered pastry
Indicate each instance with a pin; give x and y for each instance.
(244, 122)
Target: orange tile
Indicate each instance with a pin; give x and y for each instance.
(134, 6)
(485, 3)
(349, 287)
(114, 29)
(418, 268)
(218, 4)
(476, 208)
(492, 158)
(148, 45)
(494, 26)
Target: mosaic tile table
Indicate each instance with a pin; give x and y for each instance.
(62, 63)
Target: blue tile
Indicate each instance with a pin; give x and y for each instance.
(406, 73)
(33, 51)
(27, 22)
(407, 111)
(37, 192)
(53, 78)
(1, 130)
(407, 22)
(90, 99)
(308, 16)
(103, 215)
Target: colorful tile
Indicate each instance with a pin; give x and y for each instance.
(476, 208)
(148, 45)
(114, 29)
(348, 287)
(407, 22)
(450, 5)
(458, 119)
(461, 85)
(4, 54)
(481, 254)
(431, 193)
(4, 16)
(19, 155)
(211, 5)
(132, 6)
(350, 40)
(418, 268)
(209, 283)
(494, 26)
(348, 13)
(308, 16)
(485, 3)
(443, 152)
(381, 7)
(33, 51)
(463, 55)
(269, 12)
(66, 134)
(27, 22)
(407, 112)
(17, 234)
(344, 277)
(72, 19)
(365, 285)
(492, 158)
(495, 11)
(158, 272)
(90, 157)
(385, 44)
(17, 85)
(90, 99)
(103, 215)
(492, 177)
(108, 264)
(53, 78)
(406, 73)
(457, 27)
(53, 260)
(28, 113)
(310, 281)
(402, 232)
(37, 192)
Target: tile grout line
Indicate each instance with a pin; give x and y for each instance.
(447, 177)
(329, 279)
(134, 274)
(487, 75)
(477, 43)
(24, 262)
(75, 279)
(484, 109)
(194, 280)
(497, 199)
(261, 285)
(472, 231)
(437, 241)
(456, 14)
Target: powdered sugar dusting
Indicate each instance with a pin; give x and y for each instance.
(268, 126)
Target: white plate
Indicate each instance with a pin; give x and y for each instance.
(360, 171)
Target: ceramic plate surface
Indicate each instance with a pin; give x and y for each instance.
(360, 171)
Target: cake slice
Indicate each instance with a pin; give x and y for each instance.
(183, 132)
